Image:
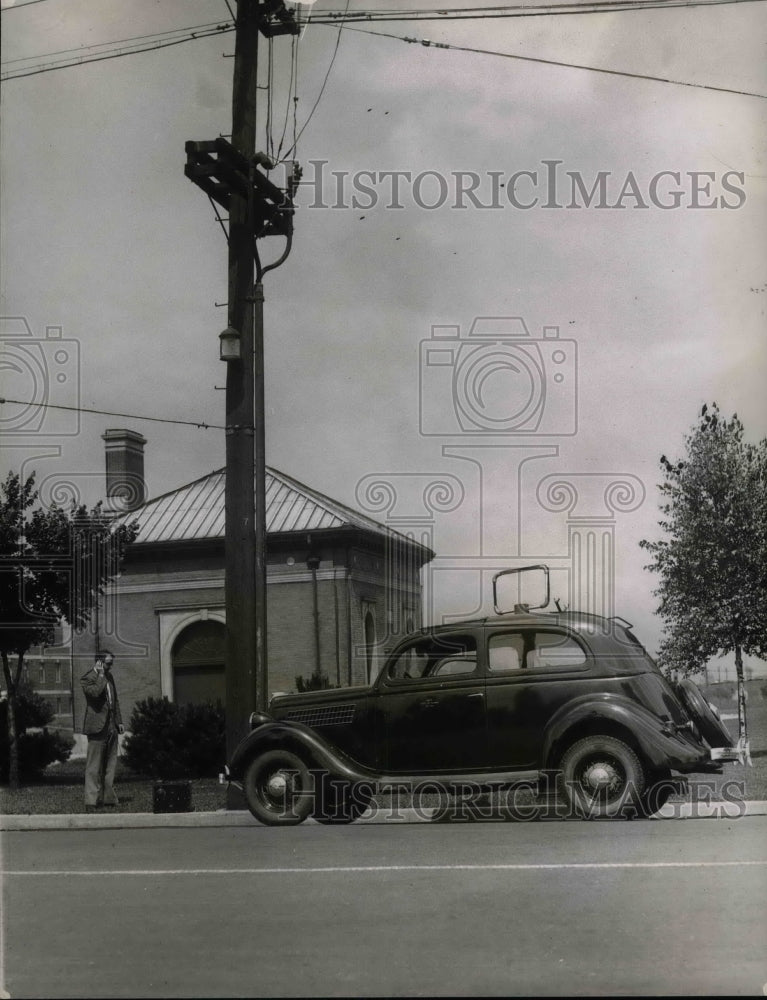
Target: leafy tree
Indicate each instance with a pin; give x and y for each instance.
(54, 565)
(713, 562)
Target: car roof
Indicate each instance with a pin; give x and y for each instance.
(571, 619)
(603, 635)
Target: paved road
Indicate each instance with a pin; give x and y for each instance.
(474, 909)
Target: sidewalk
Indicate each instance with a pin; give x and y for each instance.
(225, 818)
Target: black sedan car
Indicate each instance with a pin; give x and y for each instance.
(570, 701)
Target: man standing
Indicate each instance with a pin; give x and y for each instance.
(102, 724)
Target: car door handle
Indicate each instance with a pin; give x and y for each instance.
(476, 694)
(428, 702)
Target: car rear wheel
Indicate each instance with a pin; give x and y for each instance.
(278, 788)
(703, 714)
(601, 776)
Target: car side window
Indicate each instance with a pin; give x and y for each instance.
(443, 656)
(506, 652)
(554, 651)
(529, 650)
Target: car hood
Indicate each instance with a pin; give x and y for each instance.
(283, 705)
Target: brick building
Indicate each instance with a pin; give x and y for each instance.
(341, 588)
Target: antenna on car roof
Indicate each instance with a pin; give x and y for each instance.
(521, 608)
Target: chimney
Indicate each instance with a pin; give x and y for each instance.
(126, 488)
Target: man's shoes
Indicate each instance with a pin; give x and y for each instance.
(91, 809)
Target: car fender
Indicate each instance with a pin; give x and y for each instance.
(300, 740)
(660, 746)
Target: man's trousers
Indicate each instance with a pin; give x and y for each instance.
(100, 764)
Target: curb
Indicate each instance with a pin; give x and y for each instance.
(228, 818)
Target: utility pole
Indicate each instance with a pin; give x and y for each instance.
(229, 175)
(241, 588)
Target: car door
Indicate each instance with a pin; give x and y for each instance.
(431, 706)
(531, 672)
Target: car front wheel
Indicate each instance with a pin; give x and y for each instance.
(278, 788)
(601, 776)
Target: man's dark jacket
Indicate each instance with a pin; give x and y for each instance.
(97, 721)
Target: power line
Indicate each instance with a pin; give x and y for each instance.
(554, 62)
(515, 10)
(115, 53)
(153, 35)
(322, 90)
(15, 6)
(110, 413)
(160, 40)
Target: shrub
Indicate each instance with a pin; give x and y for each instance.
(175, 741)
(36, 750)
(315, 682)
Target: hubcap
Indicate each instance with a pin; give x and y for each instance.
(601, 776)
(277, 785)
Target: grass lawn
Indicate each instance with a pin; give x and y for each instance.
(61, 789)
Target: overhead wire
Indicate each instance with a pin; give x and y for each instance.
(115, 53)
(268, 136)
(554, 62)
(158, 40)
(292, 98)
(111, 413)
(15, 6)
(188, 32)
(292, 149)
(516, 10)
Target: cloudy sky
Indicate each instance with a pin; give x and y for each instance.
(659, 308)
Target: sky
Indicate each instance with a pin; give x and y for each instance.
(374, 370)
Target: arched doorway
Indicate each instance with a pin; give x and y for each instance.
(198, 663)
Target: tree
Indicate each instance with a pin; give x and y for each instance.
(54, 565)
(713, 563)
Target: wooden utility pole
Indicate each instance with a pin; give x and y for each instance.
(228, 173)
(242, 666)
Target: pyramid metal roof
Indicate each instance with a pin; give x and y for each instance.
(196, 511)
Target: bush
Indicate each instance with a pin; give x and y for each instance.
(173, 741)
(315, 682)
(36, 750)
